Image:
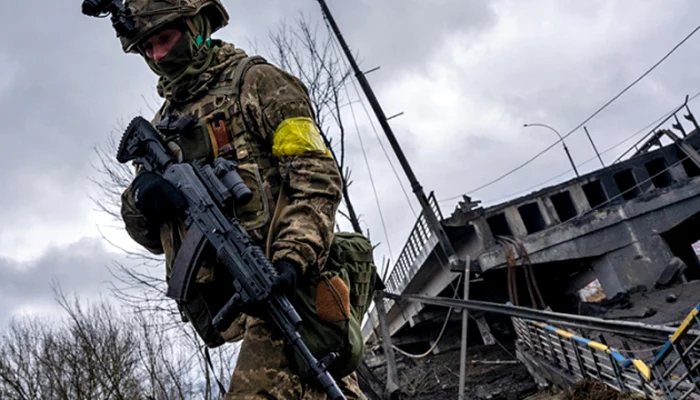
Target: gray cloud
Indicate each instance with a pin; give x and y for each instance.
(467, 75)
(539, 82)
(81, 268)
(395, 34)
(545, 63)
(59, 103)
(405, 34)
(66, 85)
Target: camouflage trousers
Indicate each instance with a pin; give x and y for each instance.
(263, 372)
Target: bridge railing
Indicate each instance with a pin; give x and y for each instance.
(405, 268)
(677, 365)
(581, 358)
(653, 136)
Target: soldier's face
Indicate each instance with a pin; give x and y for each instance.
(158, 45)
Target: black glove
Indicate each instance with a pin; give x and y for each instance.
(286, 282)
(157, 199)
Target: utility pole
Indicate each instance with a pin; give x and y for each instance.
(456, 265)
(463, 350)
(432, 220)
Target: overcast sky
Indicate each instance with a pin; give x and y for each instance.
(467, 75)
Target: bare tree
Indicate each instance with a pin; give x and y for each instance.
(301, 50)
(96, 352)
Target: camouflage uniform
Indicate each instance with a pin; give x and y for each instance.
(259, 131)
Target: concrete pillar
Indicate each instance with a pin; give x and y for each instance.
(610, 187)
(640, 263)
(643, 178)
(484, 238)
(516, 224)
(549, 213)
(677, 171)
(579, 198)
(546, 213)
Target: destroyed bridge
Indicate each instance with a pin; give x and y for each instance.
(627, 226)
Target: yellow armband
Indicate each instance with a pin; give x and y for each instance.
(297, 136)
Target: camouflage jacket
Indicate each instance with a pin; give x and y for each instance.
(263, 131)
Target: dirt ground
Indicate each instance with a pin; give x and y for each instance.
(586, 390)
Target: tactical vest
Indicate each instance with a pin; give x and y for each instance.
(222, 130)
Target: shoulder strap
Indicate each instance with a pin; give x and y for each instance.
(161, 111)
(234, 89)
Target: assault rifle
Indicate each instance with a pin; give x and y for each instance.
(208, 189)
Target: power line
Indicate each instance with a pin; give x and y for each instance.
(598, 111)
(668, 115)
(371, 178)
(618, 144)
(369, 170)
(337, 52)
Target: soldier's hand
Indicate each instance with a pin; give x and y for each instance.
(286, 282)
(157, 199)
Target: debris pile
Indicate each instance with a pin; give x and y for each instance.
(492, 373)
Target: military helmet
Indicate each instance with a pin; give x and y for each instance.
(151, 15)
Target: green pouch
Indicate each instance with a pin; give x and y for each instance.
(323, 337)
(350, 259)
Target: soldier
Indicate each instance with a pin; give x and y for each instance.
(261, 116)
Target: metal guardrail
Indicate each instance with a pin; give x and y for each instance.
(672, 374)
(573, 321)
(405, 268)
(653, 137)
(675, 366)
(582, 358)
